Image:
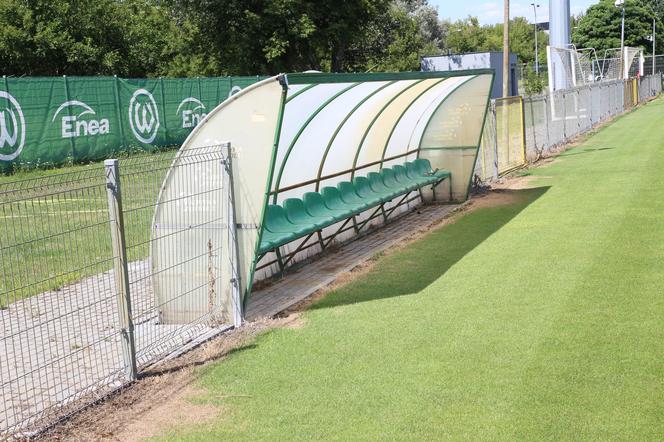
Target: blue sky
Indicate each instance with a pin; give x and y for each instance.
(491, 11)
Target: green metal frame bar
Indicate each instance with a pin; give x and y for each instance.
(340, 126)
(266, 198)
(389, 137)
(301, 130)
(340, 173)
(311, 78)
(298, 93)
(375, 118)
(479, 140)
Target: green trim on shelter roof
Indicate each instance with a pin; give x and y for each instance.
(449, 148)
(300, 92)
(315, 78)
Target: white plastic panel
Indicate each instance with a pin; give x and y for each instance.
(458, 121)
(248, 120)
(406, 132)
(452, 136)
(344, 148)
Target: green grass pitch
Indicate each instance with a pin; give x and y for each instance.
(537, 320)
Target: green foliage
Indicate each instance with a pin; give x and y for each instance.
(535, 83)
(131, 38)
(469, 36)
(600, 27)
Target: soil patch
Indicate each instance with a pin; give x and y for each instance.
(164, 397)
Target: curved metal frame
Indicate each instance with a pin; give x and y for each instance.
(301, 130)
(375, 118)
(389, 137)
(339, 127)
(301, 91)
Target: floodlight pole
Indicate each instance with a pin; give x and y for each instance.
(506, 49)
(621, 3)
(535, 6)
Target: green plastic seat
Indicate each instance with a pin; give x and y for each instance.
(378, 185)
(364, 191)
(424, 167)
(297, 214)
(332, 199)
(401, 176)
(414, 174)
(390, 181)
(315, 206)
(277, 222)
(350, 196)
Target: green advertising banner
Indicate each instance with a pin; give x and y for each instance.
(45, 121)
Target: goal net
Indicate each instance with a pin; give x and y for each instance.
(612, 64)
(571, 67)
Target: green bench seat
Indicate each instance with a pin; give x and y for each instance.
(297, 218)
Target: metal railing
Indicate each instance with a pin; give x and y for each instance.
(78, 311)
(552, 120)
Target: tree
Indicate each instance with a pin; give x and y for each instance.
(469, 36)
(136, 38)
(599, 28)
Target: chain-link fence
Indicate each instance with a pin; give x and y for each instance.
(79, 312)
(552, 120)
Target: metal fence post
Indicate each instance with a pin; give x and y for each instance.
(120, 266)
(547, 119)
(234, 253)
(564, 117)
(496, 170)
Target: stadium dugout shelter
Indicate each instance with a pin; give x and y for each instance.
(313, 159)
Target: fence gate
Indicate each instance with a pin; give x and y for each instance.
(503, 138)
(85, 308)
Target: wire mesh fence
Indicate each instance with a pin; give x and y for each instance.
(79, 313)
(554, 119)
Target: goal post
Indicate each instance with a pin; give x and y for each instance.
(570, 67)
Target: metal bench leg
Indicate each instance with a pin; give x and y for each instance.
(320, 240)
(391, 211)
(292, 255)
(280, 261)
(331, 237)
(382, 209)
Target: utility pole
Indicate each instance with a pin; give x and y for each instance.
(535, 6)
(654, 37)
(506, 50)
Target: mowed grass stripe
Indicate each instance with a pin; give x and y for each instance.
(538, 319)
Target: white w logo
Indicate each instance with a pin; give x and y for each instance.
(4, 132)
(143, 126)
(12, 127)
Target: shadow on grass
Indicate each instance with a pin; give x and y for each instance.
(412, 269)
(583, 151)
